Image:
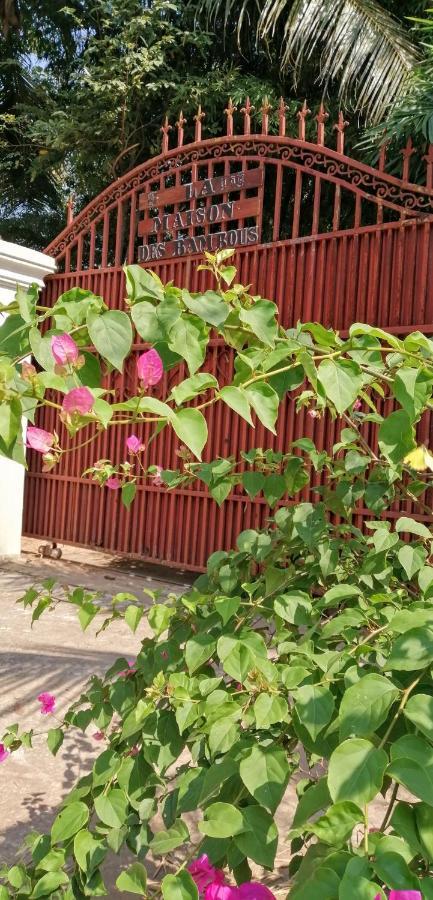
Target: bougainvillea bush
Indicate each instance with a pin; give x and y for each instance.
(302, 657)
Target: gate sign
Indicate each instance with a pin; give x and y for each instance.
(186, 230)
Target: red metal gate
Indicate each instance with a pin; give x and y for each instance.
(327, 237)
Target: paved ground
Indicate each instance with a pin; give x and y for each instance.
(56, 656)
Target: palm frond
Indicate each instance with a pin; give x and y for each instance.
(357, 42)
(245, 14)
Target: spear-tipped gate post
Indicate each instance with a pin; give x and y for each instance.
(165, 129)
(230, 109)
(302, 115)
(198, 118)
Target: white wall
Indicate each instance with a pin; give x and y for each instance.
(18, 266)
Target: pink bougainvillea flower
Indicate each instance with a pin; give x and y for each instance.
(131, 670)
(79, 400)
(48, 703)
(357, 405)
(149, 368)
(203, 873)
(220, 891)
(113, 483)
(3, 753)
(64, 349)
(133, 444)
(156, 476)
(402, 895)
(253, 890)
(39, 440)
(98, 736)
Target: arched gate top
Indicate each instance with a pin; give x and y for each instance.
(238, 189)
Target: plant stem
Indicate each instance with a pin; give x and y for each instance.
(390, 807)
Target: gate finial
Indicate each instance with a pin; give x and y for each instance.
(181, 122)
(321, 118)
(406, 153)
(340, 128)
(229, 113)
(265, 110)
(70, 209)
(198, 118)
(247, 110)
(429, 167)
(165, 128)
(282, 109)
(302, 115)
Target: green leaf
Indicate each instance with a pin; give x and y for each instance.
(187, 340)
(27, 300)
(419, 709)
(394, 871)
(396, 436)
(129, 490)
(259, 841)
(165, 841)
(198, 650)
(222, 820)
(294, 607)
(142, 283)
(315, 798)
(412, 766)
(336, 826)
(55, 740)
(412, 650)
(146, 321)
(264, 402)
(222, 735)
(179, 887)
(191, 428)
(365, 705)
(111, 335)
(341, 381)
(236, 657)
(265, 774)
(69, 820)
(411, 559)
(356, 770)
(412, 388)
(89, 851)
(193, 386)
(237, 398)
(48, 884)
(261, 318)
(133, 880)
(314, 705)
(253, 482)
(133, 616)
(112, 808)
(10, 421)
(269, 709)
(413, 527)
(209, 306)
(274, 488)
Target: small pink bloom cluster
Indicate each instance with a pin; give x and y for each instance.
(149, 368)
(48, 703)
(212, 885)
(79, 400)
(64, 350)
(133, 444)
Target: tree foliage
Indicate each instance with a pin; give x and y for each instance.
(310, 642)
